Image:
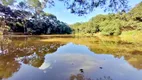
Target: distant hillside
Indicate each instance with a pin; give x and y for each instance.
(111, 24)
(136, 11)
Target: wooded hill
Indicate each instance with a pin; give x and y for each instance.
(112, 24)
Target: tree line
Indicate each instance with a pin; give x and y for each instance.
(111, 24)
(29, 17)
(22, 20)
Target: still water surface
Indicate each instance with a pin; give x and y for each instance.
(69, 58)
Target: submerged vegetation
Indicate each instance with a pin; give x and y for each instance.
(112, 24)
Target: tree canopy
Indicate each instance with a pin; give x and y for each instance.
(111, 24)
(82, 7)
(79, 7)
(7, 2)
(23, 21)
(30, 13)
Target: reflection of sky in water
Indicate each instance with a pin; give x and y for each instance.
(69, 59)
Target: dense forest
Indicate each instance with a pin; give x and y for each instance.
(112, 24)
(21, 20)
(29, 18)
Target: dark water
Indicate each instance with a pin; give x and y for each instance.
(30, 58)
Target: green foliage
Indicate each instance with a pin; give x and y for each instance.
(79, 7)
(7, 2)
(36, 5)
(136, 11)
(111, 24)
(47, 25)
(43, 23)
(106, 24)
(44, 14)
(110, 28)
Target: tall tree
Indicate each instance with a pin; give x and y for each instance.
(22, 5)
(36, 5)
(79, 7)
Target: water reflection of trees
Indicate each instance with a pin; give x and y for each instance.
(8, 66)
(31, 51)
(24, 49)
(82, 77)
(77, 77)
(131, 50)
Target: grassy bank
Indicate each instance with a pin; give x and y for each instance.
(128, 35)
(131, 36)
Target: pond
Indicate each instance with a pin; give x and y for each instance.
(69, 58)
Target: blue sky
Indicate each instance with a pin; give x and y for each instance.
(64, 15)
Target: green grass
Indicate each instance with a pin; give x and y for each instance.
(131, 36)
